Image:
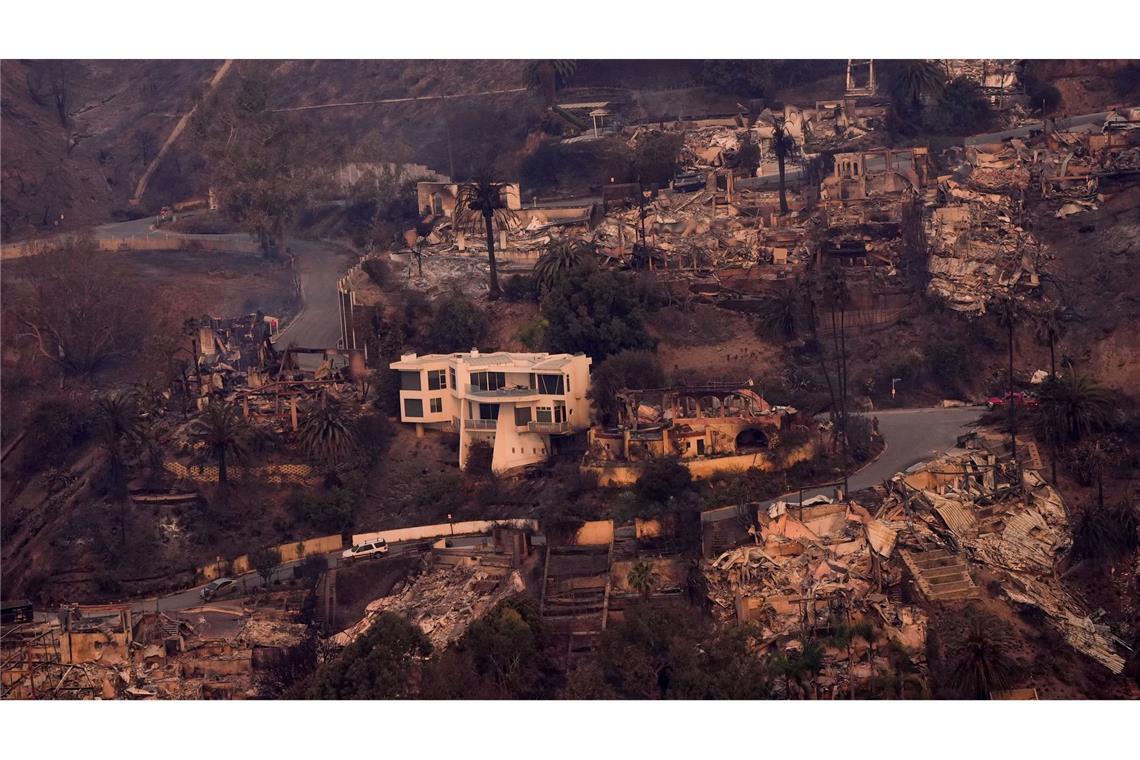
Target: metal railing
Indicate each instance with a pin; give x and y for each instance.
(475, 390)
(548, 427)
(480, 424)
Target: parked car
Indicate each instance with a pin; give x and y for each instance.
(1019, 399)
(219, 588)
(367, 549)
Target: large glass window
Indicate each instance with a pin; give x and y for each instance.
(559, 411)
(437, 379)
(413, 407)
(488, 411)
(451, 374)
(410, 381)
(522, 415)
(488, 381)
(551, 385)
(436, 405)
(543, 414)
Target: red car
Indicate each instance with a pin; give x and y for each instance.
(1019, 399)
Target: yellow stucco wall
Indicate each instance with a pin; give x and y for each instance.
(627, 474)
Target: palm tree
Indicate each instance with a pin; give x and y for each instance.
(1076, 405)
(981, 662)
(1049, 331)
(560, 257)
(779, 315)
(1098, 453)
(902, 673)
(642, 578)
(479, 206)
(910, 82)
(224, 432)
(1008, 315)
(782, 146)
(840, 298)
(807, 287)
(327, 433)
(120, 429)
(547, 76)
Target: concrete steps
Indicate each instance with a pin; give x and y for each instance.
(940, 575)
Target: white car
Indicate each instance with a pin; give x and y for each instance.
(367, 549)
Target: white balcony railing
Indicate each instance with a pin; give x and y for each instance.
(480, 424)
(549, 427)
(506, 392)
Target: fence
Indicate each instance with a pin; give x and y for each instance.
(270, 473)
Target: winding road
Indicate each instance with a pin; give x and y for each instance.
(911, 435)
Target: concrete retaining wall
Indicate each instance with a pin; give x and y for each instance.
(156, 242)
(442, 529)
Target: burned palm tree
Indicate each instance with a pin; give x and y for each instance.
(224, 433)
(911, 82)
(327, 432)
(643, 579)
(839, 298)
(1008, 313)
(779, 315)
(782, 146)
(480, 207)
(1050, 327)
(560, 257)
(120, 431)
(980, 661)
(547, 76)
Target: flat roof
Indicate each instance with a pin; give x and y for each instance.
(532, 361)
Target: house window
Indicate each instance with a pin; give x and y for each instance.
(559, 411)
(522, 415)
(488, 411)
(436, 405)
(413, 407)
(488, 381)
(551, 385)
(544, 414)
(410, 381)
(437, 379)
(451, 374)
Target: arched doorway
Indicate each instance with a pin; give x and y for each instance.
(751, 439)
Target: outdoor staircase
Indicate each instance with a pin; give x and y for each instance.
(940, 575)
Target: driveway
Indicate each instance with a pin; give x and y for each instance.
(912, 436)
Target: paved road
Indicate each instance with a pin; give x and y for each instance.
(191, 598)
(319, 266)
(912, 436)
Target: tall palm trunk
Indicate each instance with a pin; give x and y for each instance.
(840, 413)
(223, 471)
(843, 382)
(495, 291)
(783, 188)
(812, 316)
(1010, 402)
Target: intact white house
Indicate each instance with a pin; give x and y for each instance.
(515, 402)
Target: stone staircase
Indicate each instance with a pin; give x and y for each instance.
(940, 575)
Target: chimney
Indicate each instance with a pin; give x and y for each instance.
(474, 351)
